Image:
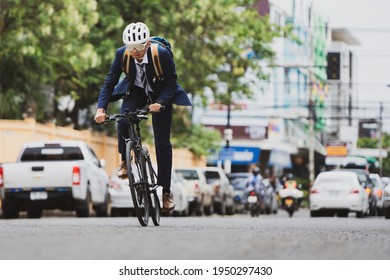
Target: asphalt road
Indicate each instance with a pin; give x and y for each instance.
(240, 237)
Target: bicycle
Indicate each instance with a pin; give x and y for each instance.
(141, 174)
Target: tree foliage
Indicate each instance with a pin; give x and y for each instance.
(374, 143)
(43, 43)
(66, 47)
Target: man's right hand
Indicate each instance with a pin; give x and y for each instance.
(100, 115)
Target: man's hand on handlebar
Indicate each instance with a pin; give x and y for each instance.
(100, 115)
(155, 107)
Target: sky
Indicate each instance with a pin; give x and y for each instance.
(369, 22)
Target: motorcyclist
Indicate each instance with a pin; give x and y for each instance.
(290, 182)
(256, 183)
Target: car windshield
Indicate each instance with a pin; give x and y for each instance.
(239, 183)
(52, 153)
(211, 176)
(188, 174)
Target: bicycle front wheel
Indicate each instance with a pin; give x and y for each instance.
(139, 187)
(154, 202)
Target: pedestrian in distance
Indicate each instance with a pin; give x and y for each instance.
(144, 86)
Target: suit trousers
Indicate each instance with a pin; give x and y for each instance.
(162, 123)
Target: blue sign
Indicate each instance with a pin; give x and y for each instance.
(237, 155)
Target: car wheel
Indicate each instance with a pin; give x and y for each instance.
(115, 212)
(11, 214)
(199, 209)
(387, 213)
(83, 207)
(359, 214)
(9, 210)
(102, 209)
(209, 210)
(314, 214)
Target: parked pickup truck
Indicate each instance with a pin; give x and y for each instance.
(64, 175)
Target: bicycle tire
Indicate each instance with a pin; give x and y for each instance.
(155, 208)
(154, 202)
(139, 187)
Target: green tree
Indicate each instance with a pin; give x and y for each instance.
(67, 46)
(210, 37)
(373, 143)
(43, 43)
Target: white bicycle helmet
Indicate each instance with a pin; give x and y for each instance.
(136, 33)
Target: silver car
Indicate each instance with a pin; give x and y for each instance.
(223, 190)
(378, 192)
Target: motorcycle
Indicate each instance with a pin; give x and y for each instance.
(291, 197)
(254, 202)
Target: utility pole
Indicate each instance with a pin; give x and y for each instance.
(350, 110)
(311, 142)
(380, 139)
(228, 136)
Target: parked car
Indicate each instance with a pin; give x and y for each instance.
(120, 197)
(338, 192)
(386, 201)
(378, 192)
(122, 203)
(368, 185)
(223, 190)
(64, 175)
(239, 181)
(200, 193)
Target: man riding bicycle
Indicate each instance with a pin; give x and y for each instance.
(140, 88)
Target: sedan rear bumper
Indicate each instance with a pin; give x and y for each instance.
(351, 203)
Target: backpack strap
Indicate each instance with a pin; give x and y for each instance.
(155, 57)
(126, 62)
(156, 61)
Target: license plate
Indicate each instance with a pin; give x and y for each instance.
(252, 199)
(288, 202)
(38, 195)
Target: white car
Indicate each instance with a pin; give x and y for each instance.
(122, 203)
(56, 174)
(338, 192)
(200, 194)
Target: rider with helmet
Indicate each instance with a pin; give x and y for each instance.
(290, 182)
(141, 87)
(255, 183)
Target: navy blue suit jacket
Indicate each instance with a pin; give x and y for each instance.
(167, 90)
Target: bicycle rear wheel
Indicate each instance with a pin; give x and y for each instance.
(154, 202)
(139, 187)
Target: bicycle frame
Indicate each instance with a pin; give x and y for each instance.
(144, 166)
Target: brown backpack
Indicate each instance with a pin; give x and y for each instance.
(155, 43)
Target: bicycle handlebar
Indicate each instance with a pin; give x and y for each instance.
(139, 113)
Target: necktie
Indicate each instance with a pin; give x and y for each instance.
(144, 81)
